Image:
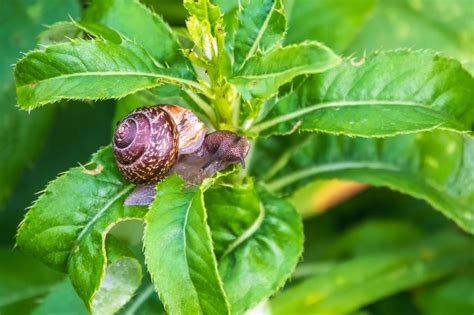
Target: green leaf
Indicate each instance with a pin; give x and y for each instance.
(63, 32)
(100, 31)
(21, 135)
(375, 236)
(60, 32)
(89, 70)
(259, 240)
(67, 227)
(234, 213)
(139, 24)
(206, 27)
(334, 23)
(61, 300)
(122, 278)
(262, 75)
(163, 94)
(369, 25)
(454, 296)
(22, 281)
(21, 21)
(261, 26)
(435, 166)
(386, 94)
(440, 25)
(362, 280)
(179, 253)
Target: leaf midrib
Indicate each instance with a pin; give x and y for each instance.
(260, 33)
(97, 216)
(337, 166)
(185, 253)
(251, 230)
(310, 67)
(306, 110)
(111, 73)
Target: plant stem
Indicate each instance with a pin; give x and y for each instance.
(139, 300)
(208, 110)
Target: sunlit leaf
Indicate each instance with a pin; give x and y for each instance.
(434, 166)
(139, 24)
(258, 240)
(89, 70)
(179, 252)
(67, 226)
(262, 75)
(383, 95)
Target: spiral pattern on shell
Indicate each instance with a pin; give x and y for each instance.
(145, 145)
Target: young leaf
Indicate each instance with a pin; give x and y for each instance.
(261, 26)
(362, 280)
(435, 166)
(259, 239)
(179, 253)
(67, 227)
(262, 75)
(139, 24)
(206, 27)
(89, 70)
(386, 94)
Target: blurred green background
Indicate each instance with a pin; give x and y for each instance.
(37, 146)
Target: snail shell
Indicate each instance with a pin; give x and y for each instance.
(149, 140)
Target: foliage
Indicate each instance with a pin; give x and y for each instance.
(400, 118)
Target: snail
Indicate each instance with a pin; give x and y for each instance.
(152, 142)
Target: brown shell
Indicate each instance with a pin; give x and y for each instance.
(146, 145)
(191, 129)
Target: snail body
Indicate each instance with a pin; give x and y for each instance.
(151, 142)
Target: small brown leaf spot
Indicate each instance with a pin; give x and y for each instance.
(97, 170)
(33, 85)
(253, 83)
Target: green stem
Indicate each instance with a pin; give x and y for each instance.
(139, 300)
(206, 108)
